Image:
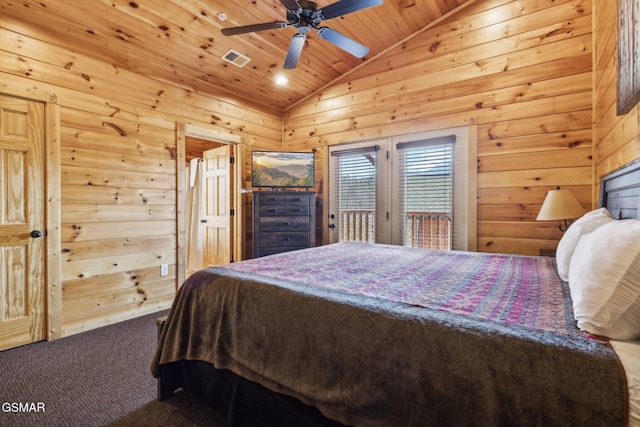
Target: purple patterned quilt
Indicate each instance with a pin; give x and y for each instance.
(513, 290)
(378, 335)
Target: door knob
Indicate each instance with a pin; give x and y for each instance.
(332, 226)
(36, 233)
(203, 221)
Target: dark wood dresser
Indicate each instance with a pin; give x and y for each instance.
(283, 221)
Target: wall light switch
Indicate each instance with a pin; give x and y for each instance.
(164, 269)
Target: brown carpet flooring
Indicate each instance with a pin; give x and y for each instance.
(97, 378)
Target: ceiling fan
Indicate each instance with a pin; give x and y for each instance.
(305, 15)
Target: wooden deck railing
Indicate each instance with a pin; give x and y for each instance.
(358, 225)
(429, 230)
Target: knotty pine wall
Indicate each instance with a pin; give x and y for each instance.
(521, 69)
(617, 138)
(518, 70)
(118, 174)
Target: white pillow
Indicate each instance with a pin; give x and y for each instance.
(586, 224)
(604, 280)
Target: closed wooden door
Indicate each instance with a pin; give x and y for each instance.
(22, 240)
(217, 180)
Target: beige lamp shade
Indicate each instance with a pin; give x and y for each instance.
(558, 205)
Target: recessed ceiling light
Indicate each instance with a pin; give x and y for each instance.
(281, 80)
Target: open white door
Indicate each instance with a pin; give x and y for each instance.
(217, 176)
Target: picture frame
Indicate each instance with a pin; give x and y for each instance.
(628, 52)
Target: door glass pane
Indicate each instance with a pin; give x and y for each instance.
(426, 188)
(356, 190)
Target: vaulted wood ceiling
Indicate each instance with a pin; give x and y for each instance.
(180, 41)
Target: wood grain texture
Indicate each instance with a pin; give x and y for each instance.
(181, 42)
(536, 77)
(628, 50)
(22, 218)
(521, 72)
(116, 174)
(616, 137)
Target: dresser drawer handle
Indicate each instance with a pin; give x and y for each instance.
(271, 199)
(272, 210)
(285, 223)
(284, 239)
(295, 210)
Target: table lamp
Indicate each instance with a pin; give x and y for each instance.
(560, 205)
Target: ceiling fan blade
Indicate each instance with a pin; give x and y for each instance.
(346, 6)
(253, 28)
(295, 49)
(343, 42)
(290, 4)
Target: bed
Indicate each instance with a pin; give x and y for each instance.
(379, 335)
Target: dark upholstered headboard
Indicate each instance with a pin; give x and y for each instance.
(620, 191)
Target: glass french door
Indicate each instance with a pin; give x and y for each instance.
(357, 206)
(412, 190)
(425, 192)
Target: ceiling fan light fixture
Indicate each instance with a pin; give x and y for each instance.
(305, 15)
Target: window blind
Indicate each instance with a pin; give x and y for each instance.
(426, 192)
(354, 184)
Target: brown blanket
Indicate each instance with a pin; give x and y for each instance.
(378, 362)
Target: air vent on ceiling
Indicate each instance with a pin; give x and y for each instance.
(236, 58)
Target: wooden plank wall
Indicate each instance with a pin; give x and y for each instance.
(520, 69)
(118, 173)
(617, 138)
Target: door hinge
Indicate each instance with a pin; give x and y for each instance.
(233, 212)
(232, 160)
(387, 216)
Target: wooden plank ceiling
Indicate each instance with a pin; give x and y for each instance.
(180, 40)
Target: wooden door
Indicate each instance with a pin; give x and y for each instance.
(22, 240)
(217, 186)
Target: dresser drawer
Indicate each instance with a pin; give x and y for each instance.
(285, 239)
(275, 210)
(272, 200)
(296, 200)
(284, 223)
(284, 199)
